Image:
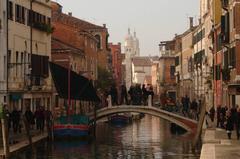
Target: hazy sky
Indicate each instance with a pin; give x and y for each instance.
(153, 20)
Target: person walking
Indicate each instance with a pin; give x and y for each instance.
(113, 93)
(124, 98)
(37, 115)
(15, 119)
(151, 93)
(212, 113)
(229, 124)
(238, 123)
(49, 120)
(131, 93)
(218, 116)
(42, 118)
(30, 117)
(144, 95)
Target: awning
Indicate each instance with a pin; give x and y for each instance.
(80, 87)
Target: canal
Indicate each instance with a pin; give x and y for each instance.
(148, 138)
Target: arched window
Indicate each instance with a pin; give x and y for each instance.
(99, 41)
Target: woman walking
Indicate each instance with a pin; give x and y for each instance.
(229, 124)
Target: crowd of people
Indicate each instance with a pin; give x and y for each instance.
(36, 120)
(191, 109)
(227, 118)
(136, 95)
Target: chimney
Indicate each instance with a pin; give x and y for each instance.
(191, 22)
(104, 25)
(70, 14)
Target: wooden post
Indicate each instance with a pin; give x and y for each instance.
(5, 138)
(200, 123)
(95, 120)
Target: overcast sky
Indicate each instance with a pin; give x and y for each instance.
(153, 20)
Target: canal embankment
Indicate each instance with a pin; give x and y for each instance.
(22, 142)
(216, 145)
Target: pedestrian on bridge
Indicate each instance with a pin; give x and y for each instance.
(124, 98)
(144, 95)
(114, 95)
(185, 103)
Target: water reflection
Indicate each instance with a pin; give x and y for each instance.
(148, 138)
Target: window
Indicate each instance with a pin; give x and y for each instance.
(225, 61)
(177, 61)
(232, 57)
(172, 72)
(20, 14)
(9, 56)
(190, 65)
(10, 10)
(198, 57)
(219, 42)
(17, 62)
(99, 41)
(225, 30)
(218, 72)
(22, 66)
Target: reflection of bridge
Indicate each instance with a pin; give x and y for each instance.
(186, 123)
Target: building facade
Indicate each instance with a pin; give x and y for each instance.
(3, 51)
(230, 42)
(116, 63)
(29, 50)
(141, 69)
(167, 80)
(77, 37)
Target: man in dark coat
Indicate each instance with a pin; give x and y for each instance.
(144, 95)
(30, 117)
(113, 93)
(124, 94)
(238, 123)
(229, 124)
(15, 120)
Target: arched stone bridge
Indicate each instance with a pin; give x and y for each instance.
(186, 123)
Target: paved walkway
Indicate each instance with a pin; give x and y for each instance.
(22, 143)
(216, 145)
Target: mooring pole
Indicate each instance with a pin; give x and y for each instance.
(5, 136)
(95, 119)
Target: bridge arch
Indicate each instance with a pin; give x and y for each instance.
(187, 124)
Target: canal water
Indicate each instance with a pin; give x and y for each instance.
(148, 138)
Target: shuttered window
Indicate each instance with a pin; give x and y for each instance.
(232, 57)
(217, 72)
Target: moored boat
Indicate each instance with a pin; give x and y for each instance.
(120, 119)
(72, 126)
(72, 87)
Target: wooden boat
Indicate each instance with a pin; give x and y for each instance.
(120, 119)
(72, 126)
(73, 87)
